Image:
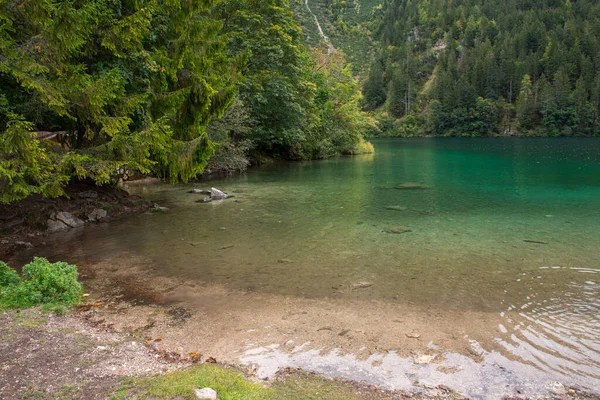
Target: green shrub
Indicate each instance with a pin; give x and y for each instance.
(43, 283)
(362, 147)
(8, 276)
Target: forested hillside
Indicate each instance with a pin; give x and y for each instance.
(105, 90)
(348, 24)
(485, 67)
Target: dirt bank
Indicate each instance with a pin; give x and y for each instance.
(25, 223)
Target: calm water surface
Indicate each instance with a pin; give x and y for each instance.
(314, 229)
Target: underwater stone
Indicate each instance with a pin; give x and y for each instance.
(412, 186)
(396, 208)
(398, 229)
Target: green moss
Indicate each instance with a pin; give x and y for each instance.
(231, 384)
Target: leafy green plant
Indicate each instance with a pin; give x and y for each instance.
(8, 276)
(43, 283)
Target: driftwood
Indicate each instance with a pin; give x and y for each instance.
(47, 135)
(57, 136)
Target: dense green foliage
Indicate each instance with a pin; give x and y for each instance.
(127, 87)
(8, 276)
(293, 102)
(482, 67)
(130, 85)
(43, 283)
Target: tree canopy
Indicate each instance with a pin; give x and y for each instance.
(125, 87)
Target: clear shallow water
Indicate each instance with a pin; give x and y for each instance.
(316, 229)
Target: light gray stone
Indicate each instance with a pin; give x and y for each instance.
(56, 226)
(362, 285)
(98, 214)
(199, 191)
(69, 219)
(159, 208)
(557, 388)
(206, 394)
(216, 194)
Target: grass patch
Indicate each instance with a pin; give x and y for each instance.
(230, 385)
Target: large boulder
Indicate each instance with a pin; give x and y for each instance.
(69, 219)
(56, 226)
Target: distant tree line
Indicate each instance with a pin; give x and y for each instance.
(485, 67)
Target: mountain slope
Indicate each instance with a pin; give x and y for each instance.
(483, 67)
(347, 25)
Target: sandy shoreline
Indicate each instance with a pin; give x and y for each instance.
(394, 346)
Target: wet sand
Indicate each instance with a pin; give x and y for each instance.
(392, 345)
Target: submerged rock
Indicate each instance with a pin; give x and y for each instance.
(159, 208)
(412, 186)
(396, 208)
(199, 191)
(362, 285)
(398, 229)
(535, 241)
(215, 194)
(69, 219)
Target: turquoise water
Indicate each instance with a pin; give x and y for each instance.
(509, 227)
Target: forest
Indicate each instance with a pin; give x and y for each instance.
(486, 67)
(108, 90)
(105, 90)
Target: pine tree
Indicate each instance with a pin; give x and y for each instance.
(131, 86)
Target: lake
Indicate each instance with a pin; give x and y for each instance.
(503, 248)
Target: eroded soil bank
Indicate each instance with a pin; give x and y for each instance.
(26, 223)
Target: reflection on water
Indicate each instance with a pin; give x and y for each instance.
(558, 331)
(493, 213)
